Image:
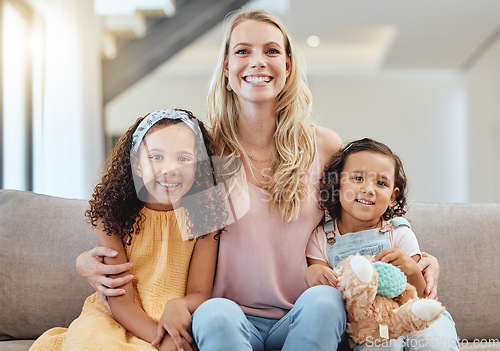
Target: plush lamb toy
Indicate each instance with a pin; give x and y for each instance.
(373, 318)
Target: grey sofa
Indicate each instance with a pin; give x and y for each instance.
(41, 236)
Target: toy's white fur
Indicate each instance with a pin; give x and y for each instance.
(426, 309)
(366, 310)
(362, 268)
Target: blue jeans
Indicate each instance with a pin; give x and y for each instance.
(441, 335)
(316, 322)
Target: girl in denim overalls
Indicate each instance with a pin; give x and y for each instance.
(364, 191)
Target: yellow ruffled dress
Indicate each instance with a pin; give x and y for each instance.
(161, 263)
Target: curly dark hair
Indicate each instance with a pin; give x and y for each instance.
(330, 182)
(116, 204)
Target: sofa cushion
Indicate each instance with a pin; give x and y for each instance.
(15, 345)
(479, 345)
(465, 240)
(40, 239)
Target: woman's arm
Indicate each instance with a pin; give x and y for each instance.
(176, 319)
(124, 310)
(429, 266)
(90, 267)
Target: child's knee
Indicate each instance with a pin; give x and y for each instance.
(441, 335)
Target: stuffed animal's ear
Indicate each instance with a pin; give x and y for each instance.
(362, 268)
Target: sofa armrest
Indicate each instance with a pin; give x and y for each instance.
(465, 240)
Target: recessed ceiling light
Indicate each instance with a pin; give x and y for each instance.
(313, 41)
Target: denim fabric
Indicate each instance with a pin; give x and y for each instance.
(316, 322)
(366, 242)
(441, 335)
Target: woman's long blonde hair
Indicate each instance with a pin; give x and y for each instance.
(293, 136)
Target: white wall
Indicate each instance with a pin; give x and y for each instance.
(69, 140)
(420, 115)
(483, 90)
(185, 91)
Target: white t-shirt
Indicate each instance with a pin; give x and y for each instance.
(401, 238)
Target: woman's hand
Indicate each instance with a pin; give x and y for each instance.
(176, 322)
(321, 274)
(90, 267)
(429, 266)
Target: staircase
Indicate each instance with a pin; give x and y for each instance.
(140, 35)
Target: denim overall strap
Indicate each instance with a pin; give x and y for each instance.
(366, 242)
(400, 221)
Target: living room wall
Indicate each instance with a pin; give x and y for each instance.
(420, 115)
(483, 110)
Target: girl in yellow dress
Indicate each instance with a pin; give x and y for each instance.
(148, 208)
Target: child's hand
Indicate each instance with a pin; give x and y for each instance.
(399, 259)
(407, 264)
(318, 274)
(168, 344)
(176, 321)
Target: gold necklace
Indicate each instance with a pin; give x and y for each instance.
(259, 161)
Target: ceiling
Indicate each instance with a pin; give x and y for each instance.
(359, 36)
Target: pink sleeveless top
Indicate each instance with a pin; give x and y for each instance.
(262, 259)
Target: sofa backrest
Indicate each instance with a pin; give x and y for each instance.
(465, 239)
(40, 239)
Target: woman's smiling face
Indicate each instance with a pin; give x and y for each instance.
(167, 164)
(257, 64)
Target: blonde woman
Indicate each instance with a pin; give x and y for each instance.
(258, 107)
